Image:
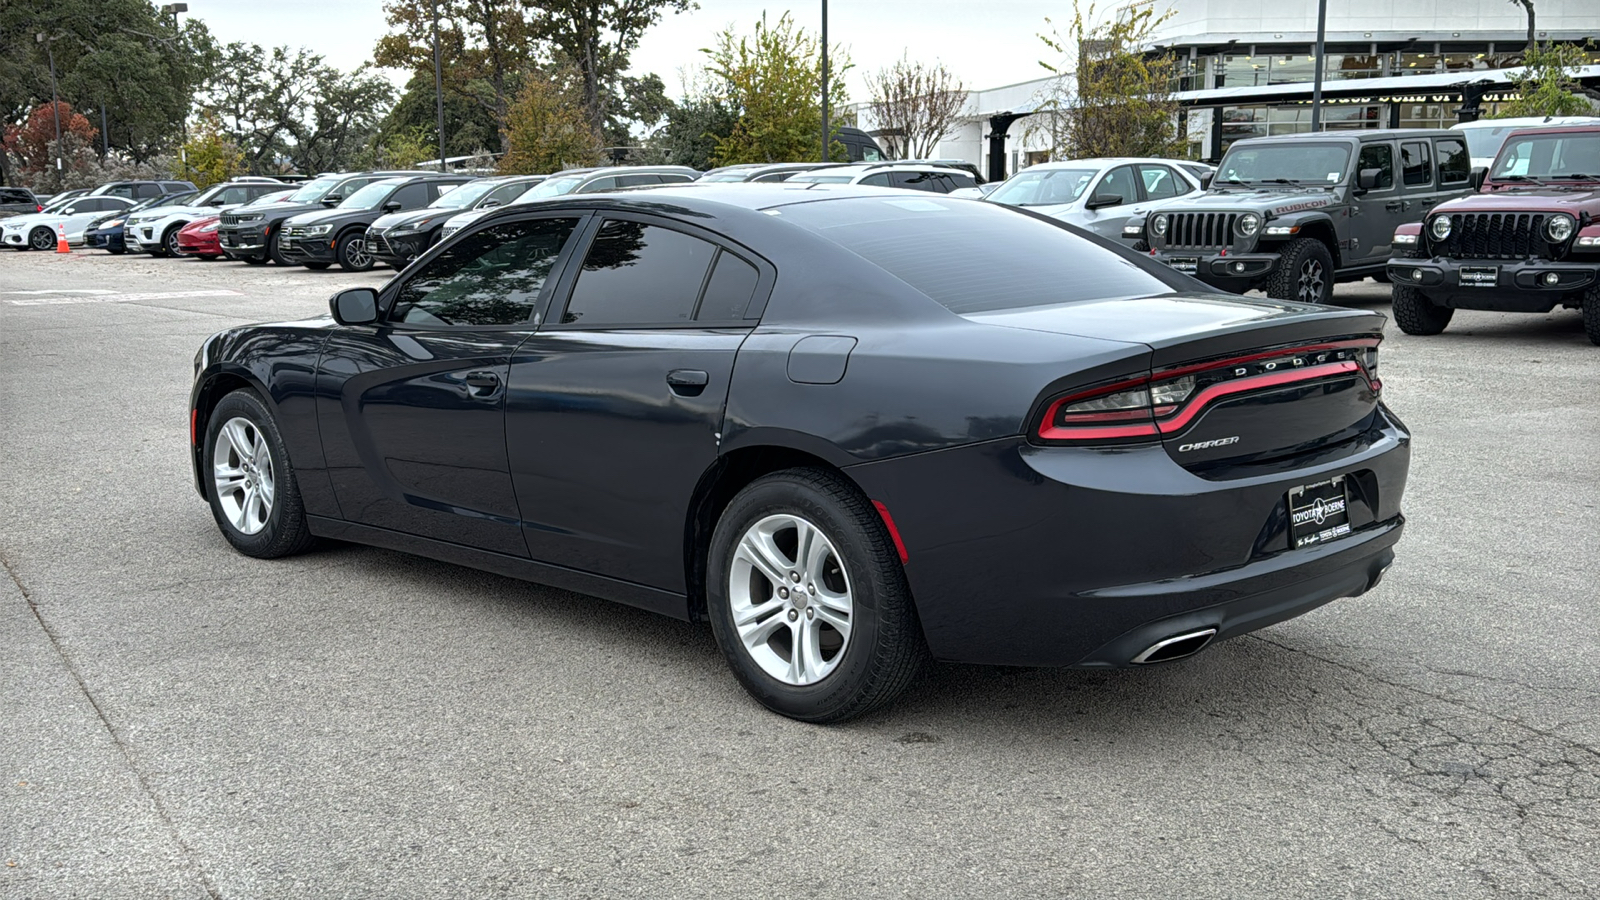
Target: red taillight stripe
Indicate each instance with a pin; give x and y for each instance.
(194, 418)
(894, 533)
(1198, 403)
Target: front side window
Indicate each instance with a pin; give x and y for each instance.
(917, 181)
(1455, 166)
(1119, 183)
(490, 277)
(1415, 166)
(1380, 157)
(638, 274)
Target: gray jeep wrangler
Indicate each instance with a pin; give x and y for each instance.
(1294, 214)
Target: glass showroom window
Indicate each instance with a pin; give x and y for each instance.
(1239, 122)
(1241, 71)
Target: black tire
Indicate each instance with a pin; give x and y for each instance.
(884, 650)
(1591, 314)
(1381, 278)
(284, 531)
(1294, 279)
(1415, 313)
(318, 266)
(41, 239)
(169, 242)
(117, 251)
(254, 260)
(272, 251)
(353, 253)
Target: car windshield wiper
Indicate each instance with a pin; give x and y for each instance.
(1518, 178)
(1574, 176)
(1280, 181)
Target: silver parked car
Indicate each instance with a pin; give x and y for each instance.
(1100, 195)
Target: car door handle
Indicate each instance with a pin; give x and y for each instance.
(482, 383)
(1394, 206)
(687, 382)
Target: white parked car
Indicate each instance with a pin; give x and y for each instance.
(39, 231)
(1100, 195)
(1485, 137)
(927, 177)
(155, 231)
(582, 181)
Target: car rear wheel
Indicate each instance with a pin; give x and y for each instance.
(42, 239)
(808, 599)
(254, 496)
(353, 253)
(1305, 273)
(1591, 314)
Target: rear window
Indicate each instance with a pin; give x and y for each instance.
(972, 257)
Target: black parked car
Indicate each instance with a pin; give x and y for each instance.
(398, 238)
(106, 233)
(252, 236)
(319, 239)
(848, 428)
(18, 201)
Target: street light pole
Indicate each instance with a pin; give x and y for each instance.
(825, 80)
(438, 80)
(55, 99)
(1316, 78)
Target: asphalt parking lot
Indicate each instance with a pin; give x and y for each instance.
(181, 721)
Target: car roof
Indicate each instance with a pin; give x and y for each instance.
(710, 196)
(1356, 135)
(1560, 129)
(1527, 121)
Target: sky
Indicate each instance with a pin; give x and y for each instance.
(986, 44)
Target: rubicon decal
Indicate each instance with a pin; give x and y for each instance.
(1296, 207)
(1205, 445)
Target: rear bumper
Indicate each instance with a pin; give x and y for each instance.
(1077, 556)
(1235, 272)
(1502, 285)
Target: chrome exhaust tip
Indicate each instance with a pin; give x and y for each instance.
(1176, 647)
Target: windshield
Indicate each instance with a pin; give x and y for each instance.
(1043, 187)
(269, 199)
(1550, 157)
(463, 196)
(808, 178)
(553, 187)
(1298, 163)
(313, 190)
(63, 202)
(371, 195)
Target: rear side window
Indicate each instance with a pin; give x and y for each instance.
(733, 282)
(637, 180)
(879, 180)
(959, 180)
(598, 185)
(1161, 182)
(1415, 165)
(974, 257)
(1455, 166)
(1380, 157)
(917, 181)
(673, 178)
(638, 274)
(147, 190)
(490, 277)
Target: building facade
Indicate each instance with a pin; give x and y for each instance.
(1245, 69)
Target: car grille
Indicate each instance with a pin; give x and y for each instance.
(294, 231)
(1199, 230)
(1497, 236)
(377, 244)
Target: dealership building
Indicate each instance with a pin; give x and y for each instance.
(1245, 69)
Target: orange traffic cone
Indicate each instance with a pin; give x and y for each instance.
(61, 239)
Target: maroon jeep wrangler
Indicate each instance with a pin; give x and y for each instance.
(1527, 241)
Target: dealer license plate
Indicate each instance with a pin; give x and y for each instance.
(1185, 264)
(1480, 276)
(1318, 512)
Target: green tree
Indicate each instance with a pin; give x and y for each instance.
(693, 128)
(468, 125)
(772, 80)
(547, 128)
(1112, 99)
(210, 155)
(597, 37)
(1547, 84)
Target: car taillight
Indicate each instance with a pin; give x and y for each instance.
(1165, 402)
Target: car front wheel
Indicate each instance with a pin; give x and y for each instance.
(808, 599)
(253, 492)
(169, 243)
(42, 239)
(1591, 314)
(1305, 273)
(353, 253)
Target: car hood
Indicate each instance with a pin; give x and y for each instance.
(27, 219)
(1173, 324)
(167, 212)
(320, 216)
(1268, 202)
(409, 216)
(462, 219)
(1573, 201)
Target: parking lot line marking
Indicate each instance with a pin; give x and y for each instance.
(63, 291)
(120, 298)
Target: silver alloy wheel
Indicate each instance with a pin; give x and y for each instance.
(42, 239)
(243, 476)
(170, 244)
(790, 598)
(1311, 281)
(358, 255)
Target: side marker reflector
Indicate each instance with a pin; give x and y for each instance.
(894, 533)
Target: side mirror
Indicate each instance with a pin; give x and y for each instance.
(1206, 179)
(355, 306)
(1101, 201)
(217, 202)
(988, 188)
(392, 206)
(1367, 179)
(1476, 179)
(332, 200)
(489, 204)
(71, 210)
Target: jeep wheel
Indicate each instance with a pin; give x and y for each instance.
(1415, 313)
(1591, 314)
(1305, 273)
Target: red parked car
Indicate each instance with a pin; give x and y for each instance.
(1527, 241)
(199, 238)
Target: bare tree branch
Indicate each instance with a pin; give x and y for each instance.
(915, 106)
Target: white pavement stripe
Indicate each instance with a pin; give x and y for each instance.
(121, 298)
(63, 291)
